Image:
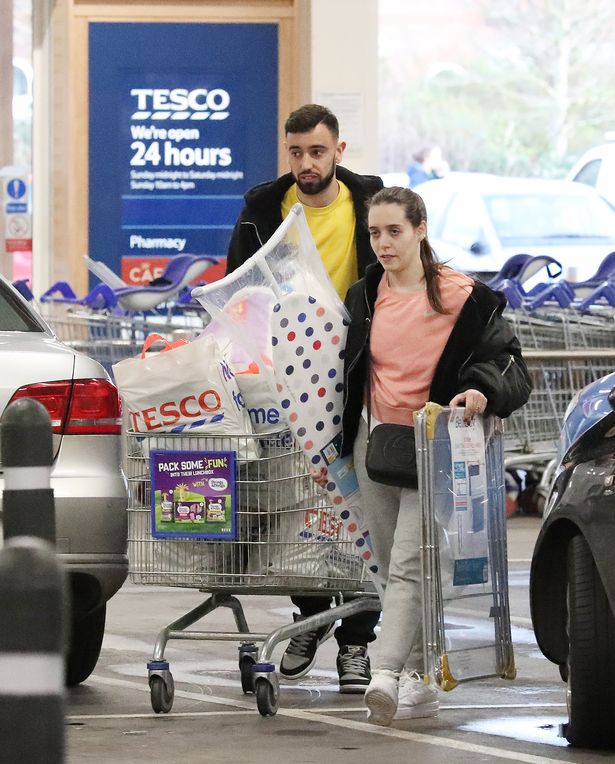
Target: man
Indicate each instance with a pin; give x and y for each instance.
(333, 199)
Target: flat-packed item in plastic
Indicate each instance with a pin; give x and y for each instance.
(189, 387)
(466, 610)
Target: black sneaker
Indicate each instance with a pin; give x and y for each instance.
(353, 668)
(300, 655)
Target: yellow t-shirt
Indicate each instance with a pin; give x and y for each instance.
(333, 230)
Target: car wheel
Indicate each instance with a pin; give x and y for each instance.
(591, 659)
(86, 641)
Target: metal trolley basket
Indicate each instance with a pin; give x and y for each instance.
(287, 541)
(110, 338)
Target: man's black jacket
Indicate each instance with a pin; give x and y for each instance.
(262, 215)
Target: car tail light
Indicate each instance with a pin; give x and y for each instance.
(79, 407)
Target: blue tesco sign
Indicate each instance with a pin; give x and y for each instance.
(183, 120)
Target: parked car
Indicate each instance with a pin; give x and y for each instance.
(395, 179)
(477, 221)
(86, 476)
(596, 168)
(572, 579)
(22, 89)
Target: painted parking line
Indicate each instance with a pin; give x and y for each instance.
(332, 710)
(358, 726)
(152, 715)
(203, 697)
(446, 707)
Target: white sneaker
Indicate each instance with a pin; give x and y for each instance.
(381, 697)
(416, 699)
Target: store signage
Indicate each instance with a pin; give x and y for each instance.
(183, 120)
(16, 209)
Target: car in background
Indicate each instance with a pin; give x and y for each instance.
(22, 89)
(86, 477)
(572, 578)
(395, 179)
(596, 168)
(477, 221)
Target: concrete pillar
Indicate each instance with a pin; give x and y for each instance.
(344, 74)
(6, 82)
(42, 145)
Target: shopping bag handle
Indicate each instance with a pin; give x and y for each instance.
(151, 339)
(253, 368)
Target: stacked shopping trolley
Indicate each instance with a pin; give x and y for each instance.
(100, 330)
(564, 350)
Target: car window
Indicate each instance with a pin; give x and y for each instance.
(20, 81)
(14, 315)
(463, 224)
(520, 217)
(588, 174)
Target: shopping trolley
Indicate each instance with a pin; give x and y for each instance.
(556, 375)
(466, 617)
(286, 540)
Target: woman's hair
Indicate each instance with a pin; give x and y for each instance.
(416, 213)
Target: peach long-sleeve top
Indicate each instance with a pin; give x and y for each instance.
(407, 340)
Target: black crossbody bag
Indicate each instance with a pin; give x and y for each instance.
(391, 448)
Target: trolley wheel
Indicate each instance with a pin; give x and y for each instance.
(161, 695)
(246, 662)
(267, 699)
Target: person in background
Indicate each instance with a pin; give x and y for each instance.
(333, 199)
(423, 332)
(427, 164)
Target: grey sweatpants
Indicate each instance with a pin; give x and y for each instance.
(394, 520)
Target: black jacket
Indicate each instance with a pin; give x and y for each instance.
(262, 215)
(493, 364)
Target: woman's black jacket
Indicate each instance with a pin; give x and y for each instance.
(481, 353)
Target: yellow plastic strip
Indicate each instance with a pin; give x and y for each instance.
(446, 680)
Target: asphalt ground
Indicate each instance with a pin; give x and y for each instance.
(110, 718)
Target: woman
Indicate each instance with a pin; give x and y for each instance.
(431, 334)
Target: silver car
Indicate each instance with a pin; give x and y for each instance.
(86, 476)
(477, 221)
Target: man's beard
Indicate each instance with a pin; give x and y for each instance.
(315, 187)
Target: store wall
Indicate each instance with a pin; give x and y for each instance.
(344, 74)
(316, 63)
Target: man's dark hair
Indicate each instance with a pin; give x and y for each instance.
(307, 117)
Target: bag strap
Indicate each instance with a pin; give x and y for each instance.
(152, 339)
(369, 377)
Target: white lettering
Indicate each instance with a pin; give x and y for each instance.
(141, 94)
(141, 242)
(200, 156)
(180, 103)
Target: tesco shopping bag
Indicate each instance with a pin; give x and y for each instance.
(254, 384)
(262, 406)
(188, 387)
